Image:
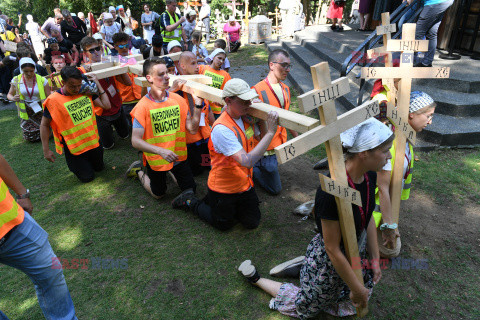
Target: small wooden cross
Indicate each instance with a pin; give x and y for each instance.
(399, 116)
(232, 6)
(323, 98)
(386, 29)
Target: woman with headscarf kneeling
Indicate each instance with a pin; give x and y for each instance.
(327, 280)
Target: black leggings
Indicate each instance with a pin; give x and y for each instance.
(84, 165)
(223, 210)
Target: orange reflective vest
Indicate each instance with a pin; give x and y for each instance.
(268, 96)
(129, 94)
(11, 214)
(203, 131)
(227, 175)
(164, 125)
(219, 78)
(73, 121)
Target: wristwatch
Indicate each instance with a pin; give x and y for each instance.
(388, 226)
(24, 196)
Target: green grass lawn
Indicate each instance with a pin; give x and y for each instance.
(171, 265)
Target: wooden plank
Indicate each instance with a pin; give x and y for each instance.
(199, 78)
(336, 189)
(109, 72)
(408, 45)
(336, 163)
(375, 52)
(136, 69)
(288, 119)
(100, 65)
(315, 98)
(405, 72)
(304, 142)
(401, 123)
(10, 46)
(384, 29)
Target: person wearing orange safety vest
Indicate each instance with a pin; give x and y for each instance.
(219, 76)
(231, 194)
(24, 245)
(130, 94)
(160, 123)
(273, 91)
(197, 144)
(72, 119)
(421, 110)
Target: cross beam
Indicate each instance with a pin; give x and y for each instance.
(399, 116)
(286, 118)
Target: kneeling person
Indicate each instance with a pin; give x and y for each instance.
(160, 122)
(72, 119)
(231, 196)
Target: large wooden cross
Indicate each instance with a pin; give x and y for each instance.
(399, 115)
(199, 85)
(232, 6)
(386, 29)
(323, 98)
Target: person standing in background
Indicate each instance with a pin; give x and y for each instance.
(204, 16)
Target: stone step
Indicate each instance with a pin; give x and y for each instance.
(451, 103)
(452, 131)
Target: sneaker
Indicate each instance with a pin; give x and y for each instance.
(183, 200)
(109, 147)
(248, 270)
(333, 27)
(132, 171)
(288, 269)
(321, 165)
(340, 28)
(125, 138)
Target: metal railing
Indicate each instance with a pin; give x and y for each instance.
(359, 56)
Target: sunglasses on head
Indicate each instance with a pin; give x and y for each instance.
(122, 46)
(94, 49)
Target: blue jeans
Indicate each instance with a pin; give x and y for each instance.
(28, 250)
(266, 174)
(427, 27)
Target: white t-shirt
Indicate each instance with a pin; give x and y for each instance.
(33, 29)
(110, 31)
(23, 90)
(406, 160)
(224, 140)
(204, 12)
(279, 93)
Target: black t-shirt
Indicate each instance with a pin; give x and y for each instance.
(48, 53)
(122, 24)
(75, 32)
(147, 50)
(326, 207)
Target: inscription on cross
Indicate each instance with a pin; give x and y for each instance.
(399, 116)
(329, 133)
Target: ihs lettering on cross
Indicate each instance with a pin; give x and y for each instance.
(323, 98)
(408, 45)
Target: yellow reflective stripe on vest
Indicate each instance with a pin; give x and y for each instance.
(83, 146)
(22, 110)
(168, 138)
(80, 137)
(77, 128)
(169, 35)
(58, 145)
(13, 212)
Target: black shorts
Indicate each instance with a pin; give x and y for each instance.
(181, 171)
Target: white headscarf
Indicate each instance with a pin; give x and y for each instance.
(365, 136)
(26, 60)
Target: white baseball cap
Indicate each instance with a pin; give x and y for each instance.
(173, 44)
(238, 88)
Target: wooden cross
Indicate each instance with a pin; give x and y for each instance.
(399, 116)
(323, 98)
(198, 85)
(276, 14)
(386, 29)
(232, 6)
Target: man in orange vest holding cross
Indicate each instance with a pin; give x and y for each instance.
(160, 123)
(273, 91)
(72, 119)
(24, 245)
(231, 196)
